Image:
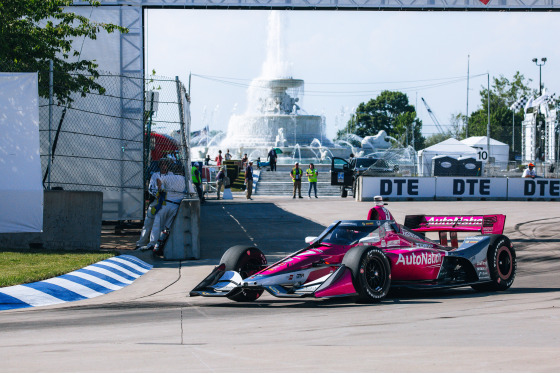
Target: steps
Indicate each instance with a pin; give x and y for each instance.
(280, 183)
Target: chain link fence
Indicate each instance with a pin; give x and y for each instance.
(111, 142)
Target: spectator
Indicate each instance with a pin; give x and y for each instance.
(296, 173)
(219, 158)
(530, 171)
(174, 187)
(207, 160)
(312, 174)
(144, 243)
(244, 161)
(228, 155)
(197, 181)
(249, 180)
(220, 178)
(272, 156)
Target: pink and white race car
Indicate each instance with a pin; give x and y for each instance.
(366, 258)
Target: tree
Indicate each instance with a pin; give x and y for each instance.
(32, 32)
(503, 93)
(390, 111)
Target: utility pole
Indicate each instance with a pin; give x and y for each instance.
(467, 112)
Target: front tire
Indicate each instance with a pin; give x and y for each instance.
(371, 272)
(246, 261)
(502, 262)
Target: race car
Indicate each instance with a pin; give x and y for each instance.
(365, 258)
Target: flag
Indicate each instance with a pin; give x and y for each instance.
(540, 100)
(529, 104)
(519, 103)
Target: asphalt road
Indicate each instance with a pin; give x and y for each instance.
(152, 326)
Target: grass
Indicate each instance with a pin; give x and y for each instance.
(27, 266)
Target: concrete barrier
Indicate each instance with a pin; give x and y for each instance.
(71, 220)
(183, 242)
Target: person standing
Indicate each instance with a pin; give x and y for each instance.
(312, 174)
(174, 187)
(244, 161)
(220, 178)
(249, 180)
(219, 158)
(296, 174)
(228, 155)
(272, 156)
(197, 181)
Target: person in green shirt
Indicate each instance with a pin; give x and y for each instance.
(312, 174)
(296, 174)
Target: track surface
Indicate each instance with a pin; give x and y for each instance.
(151, 326)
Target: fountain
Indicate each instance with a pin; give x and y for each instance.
(275, 119)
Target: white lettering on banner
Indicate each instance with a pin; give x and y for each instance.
(420, 259)
(444, 220)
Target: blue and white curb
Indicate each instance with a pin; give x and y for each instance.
(92, 281)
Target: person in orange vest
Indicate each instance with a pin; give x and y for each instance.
(296, 174)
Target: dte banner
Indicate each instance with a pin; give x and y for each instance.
(419, 188)
(538, 188)
(464, 187)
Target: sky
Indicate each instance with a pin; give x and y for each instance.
(349, 57)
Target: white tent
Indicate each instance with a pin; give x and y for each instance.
(450, 147)
(21, 190)
(498, 150)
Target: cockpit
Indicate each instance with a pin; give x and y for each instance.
(351, 232)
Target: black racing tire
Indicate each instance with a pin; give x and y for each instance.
(502, 262)
(371, 272)
(246, 261)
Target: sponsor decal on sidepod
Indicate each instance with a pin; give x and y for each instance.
(421, 259)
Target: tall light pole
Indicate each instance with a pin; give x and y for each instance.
(536, 61)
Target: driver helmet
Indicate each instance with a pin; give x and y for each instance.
(378, 200)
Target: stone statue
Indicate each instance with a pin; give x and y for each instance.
(280, 139)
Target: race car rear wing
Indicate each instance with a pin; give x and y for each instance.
(486, 224)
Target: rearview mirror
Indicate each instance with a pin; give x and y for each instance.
(309, 239)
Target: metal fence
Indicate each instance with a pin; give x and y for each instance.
(100, 142)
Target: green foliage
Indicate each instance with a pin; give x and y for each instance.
(390, 111)
(503, 93)
(26, 266)
(32, 32)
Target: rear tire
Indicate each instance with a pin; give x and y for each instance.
(371, 272)
(246, 261)
(502, 262)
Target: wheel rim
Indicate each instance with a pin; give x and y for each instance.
(374, 274)
(504, 262)
(249, 268)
